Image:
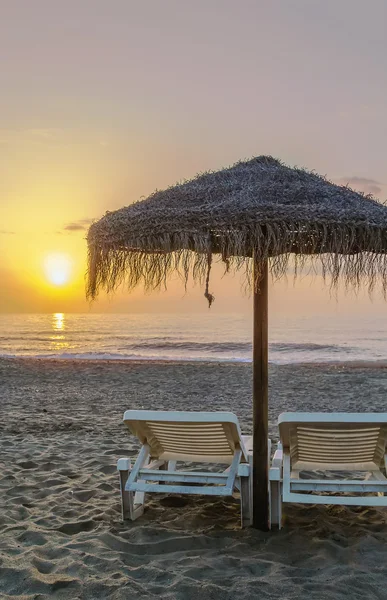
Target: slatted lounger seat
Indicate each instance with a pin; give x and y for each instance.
(345, 442)
(171, 437)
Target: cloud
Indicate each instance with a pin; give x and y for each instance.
(369, 186)
(5, 232)
(41, 135)
(75, 227)
(80, 225)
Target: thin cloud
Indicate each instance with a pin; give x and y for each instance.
(80, 225)
(75, 227)
(41, 135)
(368, 186)
(44, 133)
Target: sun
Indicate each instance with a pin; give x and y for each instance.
(57, 268)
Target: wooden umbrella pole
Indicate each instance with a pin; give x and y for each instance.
(260, 398)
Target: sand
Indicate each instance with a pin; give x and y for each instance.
(60, 529)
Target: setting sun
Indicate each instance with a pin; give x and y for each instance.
(58, 268)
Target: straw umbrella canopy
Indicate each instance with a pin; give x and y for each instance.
(257, 215)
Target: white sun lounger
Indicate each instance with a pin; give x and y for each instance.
(201, 437)
(345, 442)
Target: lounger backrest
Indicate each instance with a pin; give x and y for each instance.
(189, 436)
(337, 439)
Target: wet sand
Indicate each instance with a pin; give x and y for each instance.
(60, 529)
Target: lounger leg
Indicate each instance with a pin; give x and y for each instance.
(133, 502)
(138, 502)
(276, 489)
(275, 504)
(247, 497)
(123, 467)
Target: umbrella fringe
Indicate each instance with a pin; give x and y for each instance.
(334, 250)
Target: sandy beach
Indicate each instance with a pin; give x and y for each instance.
(60, 529)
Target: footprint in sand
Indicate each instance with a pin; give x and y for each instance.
(32, 538)
(49, 466)
(108, 469)
(174, 502)
(43, 566)
(69, 474)
(105, 487)
(77, 527)
(27, 464)
(84, 495)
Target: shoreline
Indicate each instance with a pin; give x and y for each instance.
(349, 364)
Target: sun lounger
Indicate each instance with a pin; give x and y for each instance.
(167, 438)
(344, 442)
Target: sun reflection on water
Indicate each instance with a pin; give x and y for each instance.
(58, 339)
(58, 321)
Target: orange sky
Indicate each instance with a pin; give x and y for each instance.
(102, 103)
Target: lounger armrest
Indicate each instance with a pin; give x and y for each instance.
(244, 470)
(275, 472)
(124, 464)
(278, 457)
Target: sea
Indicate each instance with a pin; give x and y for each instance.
(191, 337)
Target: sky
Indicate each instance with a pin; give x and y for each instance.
(103, 102)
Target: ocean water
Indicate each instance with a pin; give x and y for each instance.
(210, 337)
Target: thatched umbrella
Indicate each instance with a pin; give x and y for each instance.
(260, 210)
